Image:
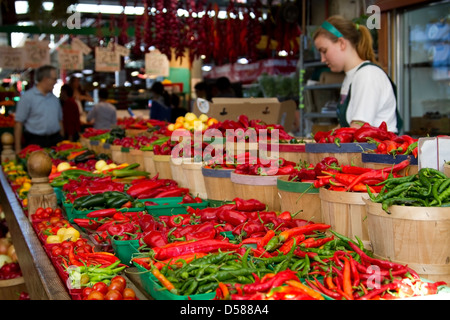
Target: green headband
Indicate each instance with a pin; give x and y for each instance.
(332, 29)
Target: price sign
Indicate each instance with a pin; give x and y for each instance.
(106, 60)
(156, 64)
(121, 50)
(36, 54)
(70, 59)
(77, 44)
(11, 58)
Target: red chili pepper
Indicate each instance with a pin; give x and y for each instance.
(379, 174)
(102, 213)
(287, 245)
(306, 229)
(72, 259)
(315, 243)
(204, 246)
(87, 223)
(187, 198)
(322, 182)
(178, 220)
(373, 293)
(326, 291)
(176, 192)
(286, 215)
(275, 281)
(253, 227)
(354, 169)
(201, 235)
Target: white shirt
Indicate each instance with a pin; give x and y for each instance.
(372, 97)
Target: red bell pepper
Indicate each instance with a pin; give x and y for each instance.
(154, 238)
(175, 192)
(201, 235)
(87, 223)
(249, 205)
(233, 217)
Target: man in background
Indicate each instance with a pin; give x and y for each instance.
(39, 113)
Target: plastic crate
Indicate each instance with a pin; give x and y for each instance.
(59, 195)
(160, 293)
(171, 206)
(124, 249)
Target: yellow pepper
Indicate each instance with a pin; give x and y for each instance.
(68, 234)
(53, 239)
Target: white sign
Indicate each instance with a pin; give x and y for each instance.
(106, 60)
(36, 54)
(77, 44)
(70, 59)
(156, 64)
(11, 58)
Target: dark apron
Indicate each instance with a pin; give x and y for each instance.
(342, 107)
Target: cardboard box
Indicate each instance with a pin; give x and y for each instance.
(269, 110)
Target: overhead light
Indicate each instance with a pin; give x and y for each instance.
(206, 68)
(242, 61)
(95, 84)
(134, 73)
(88, 71)
(283, 53)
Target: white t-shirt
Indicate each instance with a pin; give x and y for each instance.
(372, 97)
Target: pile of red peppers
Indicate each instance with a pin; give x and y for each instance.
(387, 142)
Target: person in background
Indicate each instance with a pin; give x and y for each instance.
(71, 114)
(224, 88)
(177, 110)
(367, 94)
(38, 113)
(79, 94)
(103, 115)
(160, 103)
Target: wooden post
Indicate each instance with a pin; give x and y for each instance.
(41, 193)
(8, 153)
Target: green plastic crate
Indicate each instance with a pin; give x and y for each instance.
(68, 207)
(59, 195)
(170, 206)
(124, 249)
(160, 293)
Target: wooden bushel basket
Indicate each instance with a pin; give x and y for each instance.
(287, 151)
(218, 184)
(117, 156)
(149, 163)
(346, 154)
(346, 213)
(137, 156)
(194, 178)
(447, 170)
(416, 236)
(177, 172)
(296, 196)
(162, 166)
(262, 188)
(10, 289)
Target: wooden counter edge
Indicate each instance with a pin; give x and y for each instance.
(41, 278)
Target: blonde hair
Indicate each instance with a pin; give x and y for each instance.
(358, 35)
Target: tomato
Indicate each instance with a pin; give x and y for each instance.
(57, 212)
(65, 252)
(87, 248)
(67, 244)
(120, 279)
(113, 295)
(54, 220)
(95, 295)
(49, 210)
(129, 293)
(116, 285)
(80, 242)
(38, 212)
(56, 251)
(86, 291)
(100, 287)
